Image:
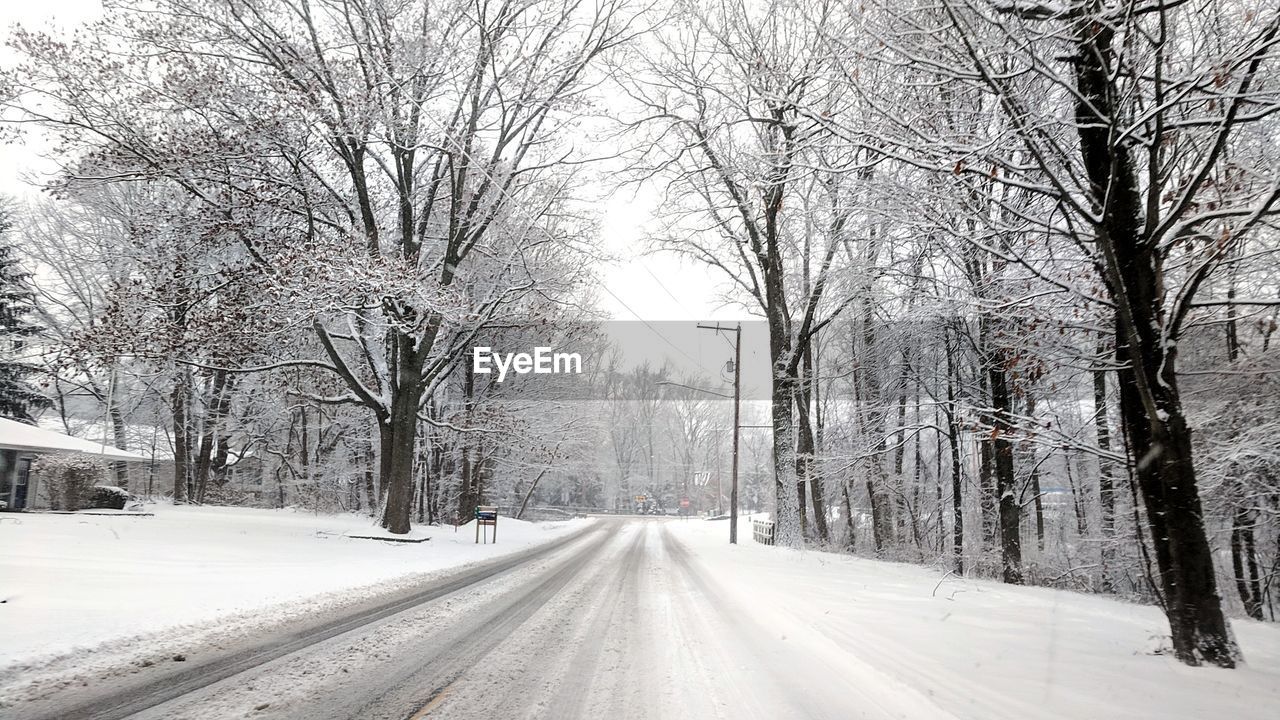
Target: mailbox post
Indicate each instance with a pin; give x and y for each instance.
(487, 517)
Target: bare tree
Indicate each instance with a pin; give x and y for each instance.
(1132, 127)
(331, 136)
(724, 101)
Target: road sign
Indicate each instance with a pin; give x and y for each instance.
(684, 502)
(641, 498)
(486, 517)
(702, 479)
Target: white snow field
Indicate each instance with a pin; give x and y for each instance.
(75, 581)
(980, 649)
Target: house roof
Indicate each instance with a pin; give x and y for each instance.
(20, 436)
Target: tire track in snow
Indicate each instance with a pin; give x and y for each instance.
(573, 693)
(165, 686)
(484, 633)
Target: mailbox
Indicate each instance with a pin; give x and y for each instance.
(486, 517)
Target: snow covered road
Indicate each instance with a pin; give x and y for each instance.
(616, 623)
(647, 618)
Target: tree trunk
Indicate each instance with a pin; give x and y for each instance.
(1005, 481)
(1150, 404)
(1251, 559)
(398, 434)
(1077, 501)
(119, 433)
(370, 491)
(422, 470)
(1242, 548)
(806, 468)
(1106, 475)
(953, 436)
(532, 487)
(434, 474)
(900, 444)
(788, 511)
(1037, 494)
(867, 395)
(209, 431)
(957, 501)
(987, 496)
(304, 456)
(1037, 501)
(1184, 559)
(178, 399)
(119, 430)
(850, 524)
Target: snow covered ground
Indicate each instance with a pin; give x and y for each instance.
(70, 582)
(639, 618)
(636, 618)
(979, 649)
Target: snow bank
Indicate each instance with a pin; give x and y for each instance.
(76, 581)
(983, 649)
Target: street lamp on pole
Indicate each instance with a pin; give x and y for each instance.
(737, 417)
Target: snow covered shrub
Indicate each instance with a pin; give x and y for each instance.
(69, 480)
(109, 497)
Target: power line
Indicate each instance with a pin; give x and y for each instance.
(654, 330)
(664, 287)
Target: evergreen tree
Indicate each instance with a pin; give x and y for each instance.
(17, 396)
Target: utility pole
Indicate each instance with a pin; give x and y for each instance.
(737, 407)
(737, 419)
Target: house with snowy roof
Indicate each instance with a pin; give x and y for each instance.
(21, 444)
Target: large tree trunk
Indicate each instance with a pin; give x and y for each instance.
(399, 434)
(1150, 404)
(1166, 478)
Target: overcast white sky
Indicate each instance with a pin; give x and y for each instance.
(638, 286)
